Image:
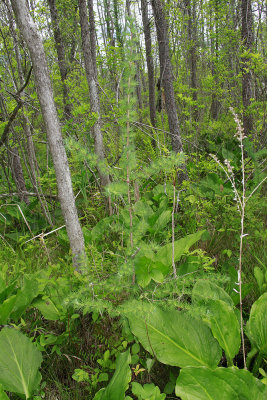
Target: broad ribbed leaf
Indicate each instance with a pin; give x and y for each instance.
(257, 324)
(6, 308)
(205, 290)
(224, 326)
(119, 383)
(25, 295)
(220, 384)
(47, 308)
(175, 338)
(181, 246)
(19, 363)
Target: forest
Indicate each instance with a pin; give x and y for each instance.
(132, 199)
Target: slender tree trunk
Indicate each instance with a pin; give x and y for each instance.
(117, 23)
(214, 109)
(61, 57)
(18, 176)
(166, 77)
(29, 147)
(92, 34)
(247, 81)
(192, 38)
(150, 63)
(90, 71)
(16, 167)
(45, 94)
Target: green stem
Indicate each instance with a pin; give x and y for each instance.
(250, 356)
(257, 364)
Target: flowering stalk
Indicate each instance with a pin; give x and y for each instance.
(241, 205)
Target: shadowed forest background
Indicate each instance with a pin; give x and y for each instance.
(132, 199)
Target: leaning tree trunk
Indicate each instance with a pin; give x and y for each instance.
(150, 64)
(247, 38)
(90, 70)
(45, 94)
(166, 77)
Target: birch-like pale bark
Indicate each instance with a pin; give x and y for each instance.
(45, 94)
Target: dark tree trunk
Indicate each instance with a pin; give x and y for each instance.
(214, 109)
(247, 81)
(166, 74)
(192, 38)
(109, 22)
(16, 167)
(150, 63)
(117, 23)
(45, 94)
(18, 176)
(92, 34)
(61, 56)
(90, 70)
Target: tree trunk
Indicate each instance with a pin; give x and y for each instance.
(29, 147)
(192, 38)
(92, 34)
(61, 57)
(117, 23)
(16, 167)
(214, 109)
(18, 176)
(166, 76)
(247, 38)
(150, 63)
(90, 71)
(45, 94)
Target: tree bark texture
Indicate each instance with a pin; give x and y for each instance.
(247, 80)
(150, 63)
(92, 34)
(45, 94)
(61, 56)
(93, 89)
(166, 74)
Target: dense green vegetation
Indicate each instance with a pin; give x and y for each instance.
(162, 295)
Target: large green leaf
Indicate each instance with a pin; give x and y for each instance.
(19, 363)
(257, 324)
(5, 309)
(119, 383)
(205, 290)
(47, 308)
(181, 246)
(25, 295)
(224, 326)
(147, 269)
(160, 223)
(220, 384)
(175, 338)
(147, 392)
